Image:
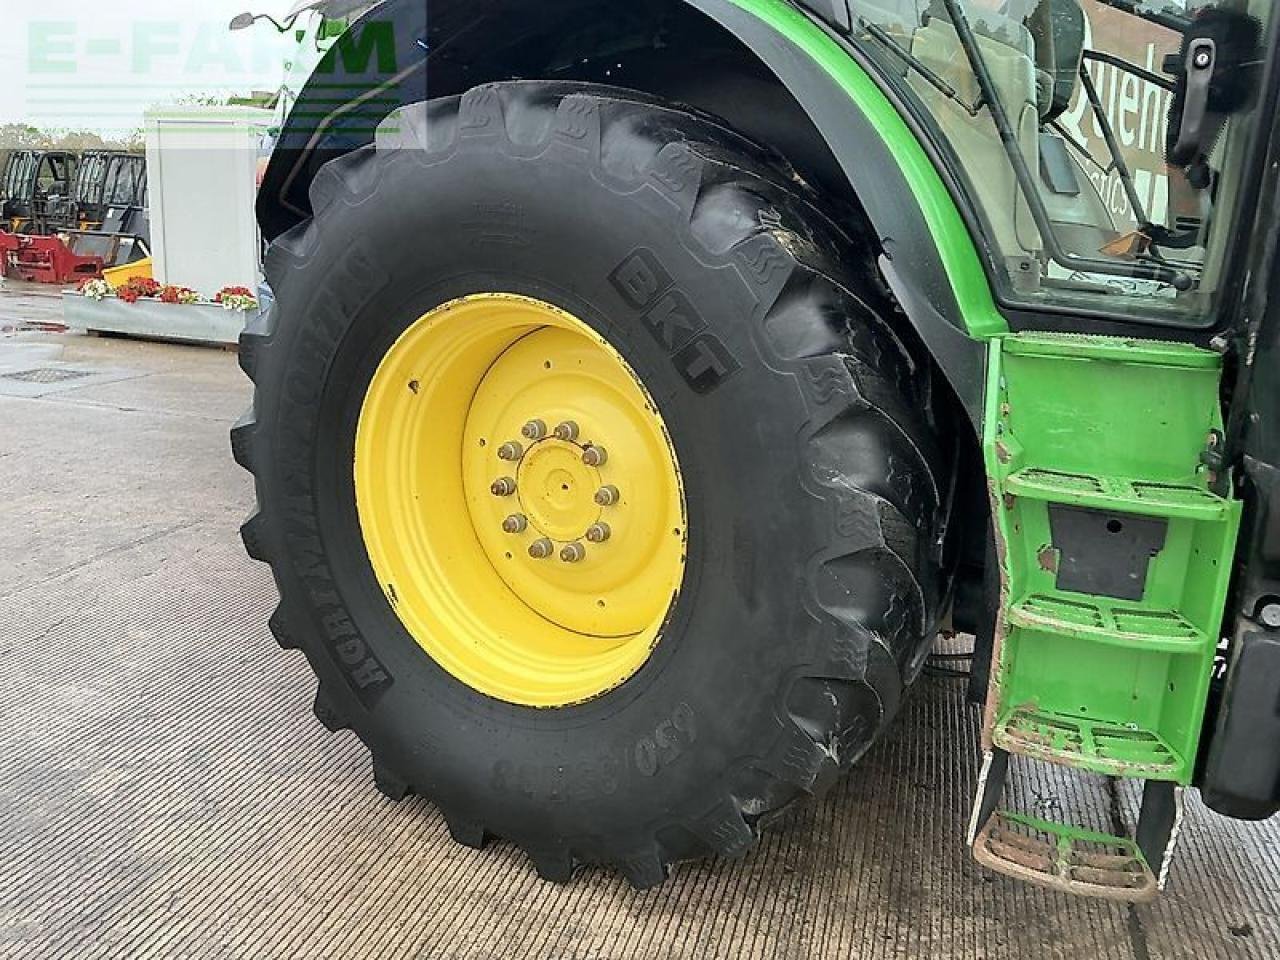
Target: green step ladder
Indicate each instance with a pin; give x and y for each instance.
(1114, 539)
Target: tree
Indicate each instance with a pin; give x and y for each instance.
(23, 136)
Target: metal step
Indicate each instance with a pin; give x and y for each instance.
(1108, 621)
(1065, 858)
(1120, 494)
(1073, 859)
(1119, 750)
(1115, 550)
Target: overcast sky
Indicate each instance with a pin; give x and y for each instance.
(98, 64)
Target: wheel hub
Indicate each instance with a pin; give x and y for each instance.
(540, 566)
(583, 427)
(556, 490)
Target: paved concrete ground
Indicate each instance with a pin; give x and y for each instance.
(165, 792)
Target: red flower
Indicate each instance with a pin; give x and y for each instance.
(173, 293)
(128, 294)
(232, 292)
(143, 286)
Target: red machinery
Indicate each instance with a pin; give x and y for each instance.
(45, 260)
(71, 216)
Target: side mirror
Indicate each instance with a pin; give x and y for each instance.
(245, 20)
(1216, 74)
(1058, 29)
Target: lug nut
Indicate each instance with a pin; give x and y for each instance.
(567, 431)
(1270, 615)
(516, 523)
(503, 487)
(608, 496)
(573, 553)
(541, 549)
(595, 456)
(510, 451)
(534, 430)
(599, 532)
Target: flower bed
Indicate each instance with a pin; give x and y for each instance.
(143, 307)
(137, 289)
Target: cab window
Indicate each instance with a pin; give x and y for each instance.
(1103, 144)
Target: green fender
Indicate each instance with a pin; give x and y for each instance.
(405, 51)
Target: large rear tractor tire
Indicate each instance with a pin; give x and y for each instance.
(600, 493)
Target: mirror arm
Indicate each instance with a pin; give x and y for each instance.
(1164, 83)
(280, 28)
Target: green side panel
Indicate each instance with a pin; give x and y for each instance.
(1115, 425)
(955, 245)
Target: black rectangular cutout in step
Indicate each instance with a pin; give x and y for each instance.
(1103, 553)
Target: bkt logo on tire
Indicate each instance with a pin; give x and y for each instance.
(667, 313)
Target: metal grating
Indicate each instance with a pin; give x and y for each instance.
(1067, 611)
(1175, 493)
(1064, 481)
(46, 375)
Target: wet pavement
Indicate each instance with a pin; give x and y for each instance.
(166, 792)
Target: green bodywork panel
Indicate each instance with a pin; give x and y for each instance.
(1115, 425)
(1115, 548)
(955, 245)
(1118, 426)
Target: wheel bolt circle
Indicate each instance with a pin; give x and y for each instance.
(516, 523)
(503, 487)
(595, 456)
(607, 496)
(541, 549)
(567, 431)
(534, 430)
(573, 552)
(599, 532)
(511, 450)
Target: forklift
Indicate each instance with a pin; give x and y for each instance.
(35, 190)
(111, 209)
(67, 217)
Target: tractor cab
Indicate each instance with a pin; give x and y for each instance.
(110, 186)
(35, 193)
(1101, 143)
(1108, 152)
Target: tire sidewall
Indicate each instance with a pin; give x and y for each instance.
(408, 232)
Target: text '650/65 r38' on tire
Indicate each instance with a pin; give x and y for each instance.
(600, 494)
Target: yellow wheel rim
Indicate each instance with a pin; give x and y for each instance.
(520, 500)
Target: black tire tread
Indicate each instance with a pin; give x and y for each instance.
(747, 205)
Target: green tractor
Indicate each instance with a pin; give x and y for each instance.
(644, 386)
